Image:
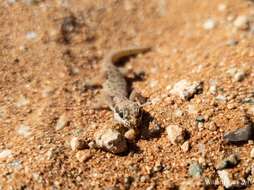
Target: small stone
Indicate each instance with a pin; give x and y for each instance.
(209, 24)
(236, 74)
(22, 101)
(78, 144)
(130, 134)
(157, 167)
(176, 134)
(252, 153)
(225, 178)
(232, 42)
(111, 140)
(144, 178)
(240, 135)
(5, 153)
(185, 146)
(192, 183)
(24, 131)
(31, 35)
(241, 22)
(61, 122)
(222, 7)
(212, 126)
(228, 162)
(213, 87)
(221, 98)
(11, 1)
(83, 156)
(186, 90)
(200, 119)
(195, 170)
(92, 144)
(128, 181)
(178, 113)
(151, 187)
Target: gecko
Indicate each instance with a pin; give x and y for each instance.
(126, 110)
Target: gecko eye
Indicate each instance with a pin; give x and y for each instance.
(120, 113)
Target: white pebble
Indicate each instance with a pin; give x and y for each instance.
(225, 179)
(22, 101)
(111, 140)
(77, 144)
(185, 90)
(5, 153)
(31, 35)
(176, 134)
(11, 1)
(236, 74)
(24, 131)
(222, 7)
(209, 24)
(185, 146)
(61, 122)
(252, 153)
(241, 22)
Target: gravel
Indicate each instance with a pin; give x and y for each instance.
(252, 153)
(83, 156)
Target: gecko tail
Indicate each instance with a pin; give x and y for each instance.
(116, 55)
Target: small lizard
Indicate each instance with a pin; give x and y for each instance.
(115, 91)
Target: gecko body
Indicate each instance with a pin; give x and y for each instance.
(115, 90)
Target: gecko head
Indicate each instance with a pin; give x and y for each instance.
(128, 113)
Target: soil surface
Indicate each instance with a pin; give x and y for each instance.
(50, 53)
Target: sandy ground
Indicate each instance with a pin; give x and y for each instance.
(51, 50)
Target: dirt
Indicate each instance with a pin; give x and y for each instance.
(50, 52)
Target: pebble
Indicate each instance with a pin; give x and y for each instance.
(225, 178)
(213, 87)
(22, 101)
(241, 22)
(83, 156)
(192, 183)
(31, 35)
(11, 1)
(176, 134)
(222, 7)
(221, 98)
(24, 131)
(239, 135)
(61, 122)
(130, 134)
(228, 162)
(157, 167)
(195, 170)
(236, 74)
(209, 24)
(232, 42)
(252, 153)
(78, 144)
(111, 140)
(5, 153)
(185, 146)
(186, 90)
